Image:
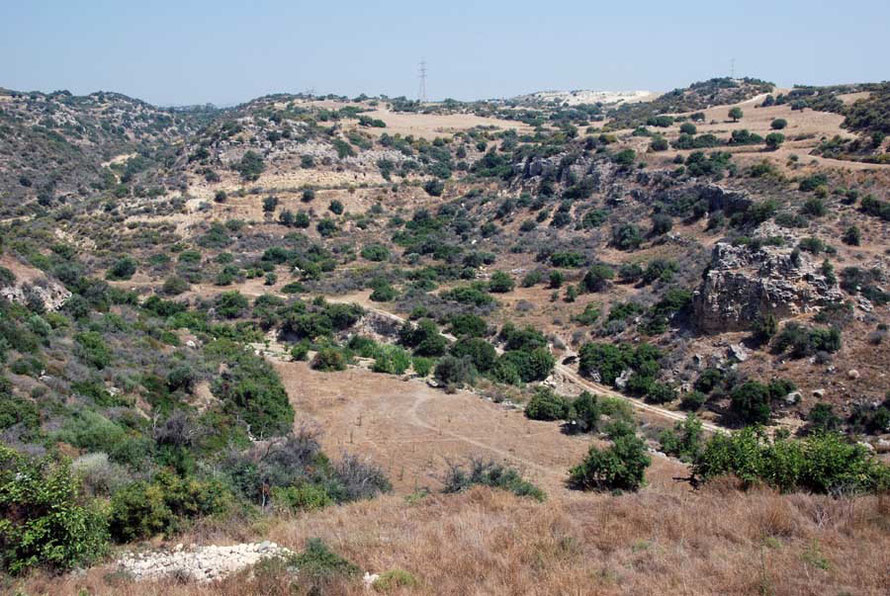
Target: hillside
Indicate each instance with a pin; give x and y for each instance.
(525, 346)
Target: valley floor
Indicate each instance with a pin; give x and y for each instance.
(667, 538)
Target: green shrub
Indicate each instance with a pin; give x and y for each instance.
(750, 402)
(610, 360)
(626, 237)
(231, 305)
(434, 187)
(545, 404)
(455, 372)
(467, 325)
(822, 417)
(329, 359)
(375, 252)
(300, 351)
(852, 236)
(424, 338)
(175, 285)
(251, 389)
(270, 203)
(806, 341)
(824, 463)
(392, 580)
(383, 291)
(306, 497)
(584, 413)
(142, 509)
(685, 440)
(479, 351)
(659, 143)
(482, 473)
(391, 360)
(661, 393)
(122, 269)
(422, 366)
(91, 347)
(693, 400)
(501, 282)
(529, 365)
(44, 520)
(774, 140)
(318, 562)
(597, 278)
(250, 166)
(622, 466)
(468, 295)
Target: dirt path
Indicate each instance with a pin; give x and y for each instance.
(414, 430)
(567, 373)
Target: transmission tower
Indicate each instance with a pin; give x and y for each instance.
(421, 92)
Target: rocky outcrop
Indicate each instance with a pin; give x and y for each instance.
(717, 197)
(32, 285)
(743, 284)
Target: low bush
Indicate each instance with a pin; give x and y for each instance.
(328, 360)
(824, 463)
(545, 404)
(145, 509)
(620, 467)
(482, 473)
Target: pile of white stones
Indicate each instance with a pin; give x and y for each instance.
(200, 563)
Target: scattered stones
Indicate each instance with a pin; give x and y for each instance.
(793, 398)
(853, 373)
(623, 378)
(202, 564)
(820, 393)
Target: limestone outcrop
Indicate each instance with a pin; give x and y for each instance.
(743, 284)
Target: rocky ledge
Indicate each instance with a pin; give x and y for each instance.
(743, 284)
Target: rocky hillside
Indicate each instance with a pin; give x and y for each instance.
(58, 147)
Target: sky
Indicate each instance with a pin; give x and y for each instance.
(227, 51)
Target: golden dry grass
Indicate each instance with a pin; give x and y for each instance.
(717, 541)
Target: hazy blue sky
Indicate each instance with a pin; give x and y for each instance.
(229, 51)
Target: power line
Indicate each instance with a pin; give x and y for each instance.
(421, 92)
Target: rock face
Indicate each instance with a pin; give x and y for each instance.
(716, 197)
(203, 563)
(743, 284)
(33, 285)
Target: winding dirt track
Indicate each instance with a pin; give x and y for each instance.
(570, 376)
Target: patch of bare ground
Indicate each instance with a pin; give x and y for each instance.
(716, 541)
(805, 130)
(414, 430)
(430, 126)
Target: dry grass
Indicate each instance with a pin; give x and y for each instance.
(718, 541)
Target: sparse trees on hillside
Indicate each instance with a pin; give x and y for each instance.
(269, 204)
(774, 140)
(736, 114)
(251, 166)
(852, 236)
